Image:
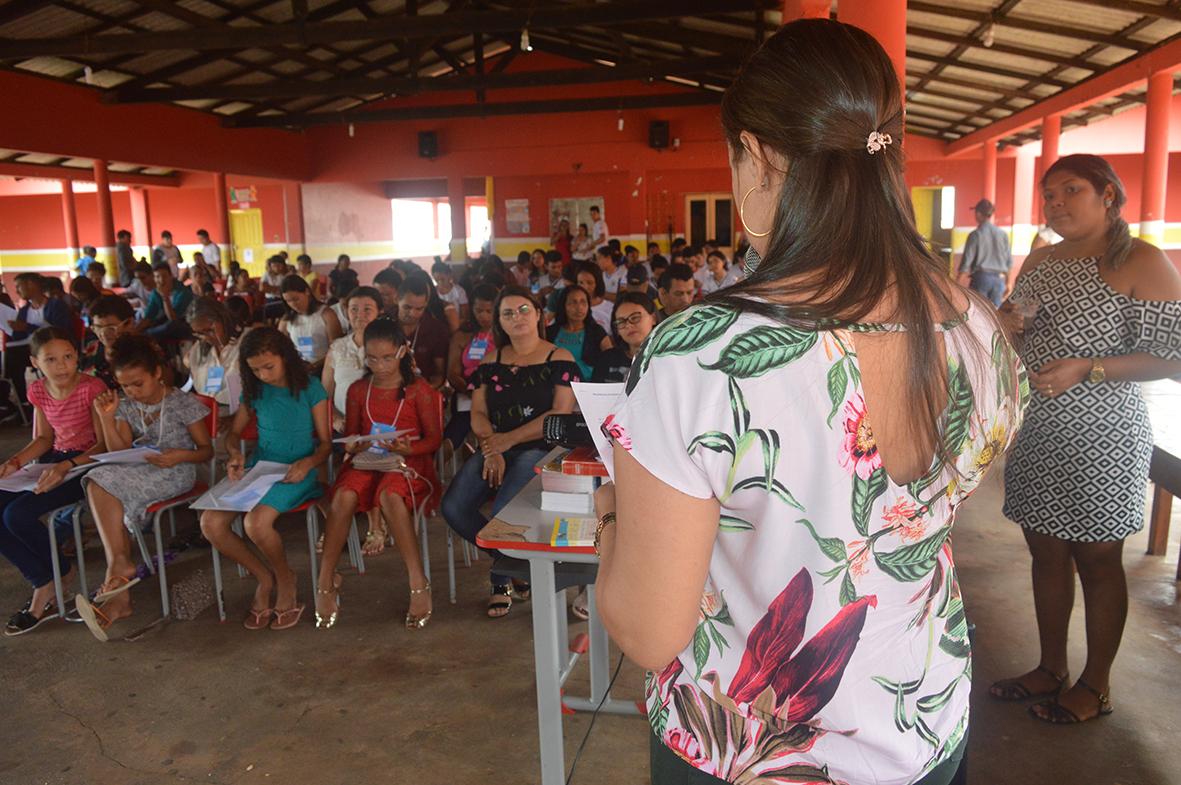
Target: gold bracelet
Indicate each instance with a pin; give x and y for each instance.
(604, 522)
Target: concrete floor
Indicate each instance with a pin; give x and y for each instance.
(369, 702)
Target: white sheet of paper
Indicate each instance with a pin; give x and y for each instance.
(245, 494)
(25, 479)
(7, 314)
(372, 437)
(596, 401)
(132, 455)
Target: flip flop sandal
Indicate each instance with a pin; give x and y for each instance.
(1057, 714)
(579, 606)
(113, 586)
(375, 543)
(500, 602)
(285, 620)
(258, 620)
(92, 615)
(523, 590)
(1013, 690)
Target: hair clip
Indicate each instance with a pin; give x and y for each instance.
(876, 141)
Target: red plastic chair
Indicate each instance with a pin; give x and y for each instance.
(169, 505)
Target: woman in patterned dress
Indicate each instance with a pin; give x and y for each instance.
(1108, 317)
(791, 454)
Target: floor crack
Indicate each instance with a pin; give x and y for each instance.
(102, 749)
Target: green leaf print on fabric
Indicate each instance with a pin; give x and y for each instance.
(685, 333)
(731, 524)
(714, 612)
(865, 493)
(761, 349)
(832, 547)
(960, 406)
(913, 562)
(848, 590)
(838, 380)
(1002, 362)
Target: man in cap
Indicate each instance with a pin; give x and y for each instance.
(987, 257)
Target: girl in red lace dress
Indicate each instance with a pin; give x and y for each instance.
(395, 475)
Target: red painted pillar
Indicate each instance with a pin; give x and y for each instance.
(1051, 134)
(106, 218)
(221, 227)
(990, 170)
(1156, 158)
(805, 9)
(141, 220)
(885, 20)
(457, 200)
(1024, 186)
(70, 219)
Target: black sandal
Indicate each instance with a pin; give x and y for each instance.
(1014, 690)
(1057, 714)
(24, 621)
(500, 602)
(523, 590)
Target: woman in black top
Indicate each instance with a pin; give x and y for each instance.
(525, 379)
(632, 320)
(575, 331)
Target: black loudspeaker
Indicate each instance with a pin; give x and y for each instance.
(658, 134)
(428, 144)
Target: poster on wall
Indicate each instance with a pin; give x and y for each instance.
(516, 216)
(576, 210)
(241, 197)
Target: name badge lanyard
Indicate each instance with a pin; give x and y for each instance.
(143, 423)
(374, 424)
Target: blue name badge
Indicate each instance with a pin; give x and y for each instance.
(477, 349)
(376, 428)
(304, 344)
(214, 380)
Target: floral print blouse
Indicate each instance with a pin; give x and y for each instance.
(831, 644)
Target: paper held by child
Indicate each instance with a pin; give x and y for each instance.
(7, 314)
(131, 455)
(388, 436)
(596, 401)
(26, 478)
(245, 494)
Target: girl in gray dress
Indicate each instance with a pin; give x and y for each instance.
(1108, 316)
(150, 414)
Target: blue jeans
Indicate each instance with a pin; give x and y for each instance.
(990, 285)
(469, 490)
(24, 539)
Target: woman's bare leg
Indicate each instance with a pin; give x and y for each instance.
(401, 523)
(260, 528)
(218, 528)
(108, 518)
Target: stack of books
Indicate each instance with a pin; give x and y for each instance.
(569, 479)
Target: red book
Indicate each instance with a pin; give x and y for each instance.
(585, 461)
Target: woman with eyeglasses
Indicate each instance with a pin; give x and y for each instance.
(515, 387)
(110, 317)
(632, 320)
(213, 359)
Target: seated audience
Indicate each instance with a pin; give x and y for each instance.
(164, 316)
(632, 321)
(522, 272)
(110, 317)
(97, 273)
(677, 290)
(200, 283)
(577, 333)
(345, 362)
(516, 386)
(591, 280)
(291, 410)
(38, 310)
(85, 260)
(66, 434)
(388, 282)
(583, 249)
(390, 398)
(303, 264)
(450, 292)
(151, 413)
(212, 360)
(639, 283)
(142, 285)
(612, 270)
(243, 313)
(719, 273)
(82, 291)
(168, 253)
(343, 279)
(272, 284)
(429, 338)
(311, 326)
(469, 344)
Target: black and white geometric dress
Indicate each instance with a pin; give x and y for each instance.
(1079, 467)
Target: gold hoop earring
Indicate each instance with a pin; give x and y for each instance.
(741, 207)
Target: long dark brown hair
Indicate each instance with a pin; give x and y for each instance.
(499, 336)
(1098, 172)
(843, 234)
(262, 340)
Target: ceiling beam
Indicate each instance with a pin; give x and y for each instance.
(408, 85)
(1008, 73)
(1031, 25)
(1145, 9)
(391, 26)
(50, 172)
(1164, 57)
(1016, 51)
(666, 100)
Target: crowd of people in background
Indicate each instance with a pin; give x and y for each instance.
(471, 356)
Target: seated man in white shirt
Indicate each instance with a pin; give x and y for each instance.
(613, 269)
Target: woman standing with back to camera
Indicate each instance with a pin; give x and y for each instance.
(1108, 315)
(791, 454)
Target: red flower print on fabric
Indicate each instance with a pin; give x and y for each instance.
(859, 451)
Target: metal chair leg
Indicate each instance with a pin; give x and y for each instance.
(58, 591)
(451, 566)
(161, 570)
(426, 550)
(78, 549)
(217, 584)
(355, 547)
(312, 535)
(239, 528)
(172, 522)
(144, 552)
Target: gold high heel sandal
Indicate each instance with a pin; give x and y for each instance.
(418, 622)
(323, 623)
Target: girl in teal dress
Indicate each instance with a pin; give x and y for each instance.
(290, 408)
